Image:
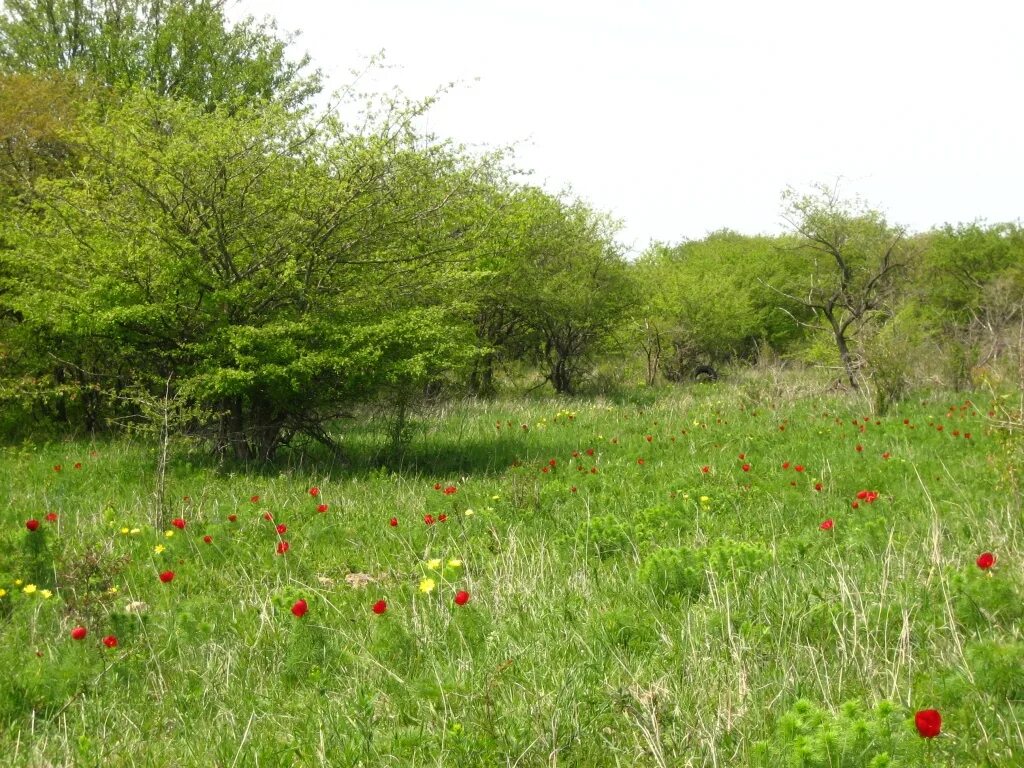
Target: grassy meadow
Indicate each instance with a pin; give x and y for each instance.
(711, 576)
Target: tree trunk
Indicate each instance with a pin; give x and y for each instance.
(844, 355)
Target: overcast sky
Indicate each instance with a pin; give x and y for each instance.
(685, 117)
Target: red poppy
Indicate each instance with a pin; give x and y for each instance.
(928, 722)
(705, 469)
(745, 467)
(393, 522)
(321, 508)
(743, 456)
(110, 641)
(299, 609)
(167, 576)
(545, 470)
(590, 451)
(208, 539)
(428, 519)
(57, 467)
(51, 517)
(461, 597)
(232, 518)
(380, 606)
(78, 465)
(986, 560)
(254, 499)
(442, 518)
(859, 448)
(314, 491)
(268, 517)
(799, 467)
(437, 486)
(78, 633)
(449, 490)
(552, 463)
(649, 438)
(855, 505)
(640, 462)
(573, 489)
(32, 524)
(282, 547)
(178, 523)
(785, 465)
(886, 455)
(281, 528)
(827, 525)
(967, 435)
(817, 486)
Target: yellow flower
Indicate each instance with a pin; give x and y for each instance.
(135, 531)
(705, 500)
(3, 592)
(124, 531)
(112, 590)
(46, 594)
(159, 548)
(427, 586)
(17, 582)
(28, 589)
(495, 497)
(454, 563)
(469, 513)
(433, 564)
(168, 534)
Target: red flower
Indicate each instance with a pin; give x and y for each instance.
(299, 609)
(986, 560)
(32, 524)
(785, 465)
(78, 465)
(573, 489)
(78, 633)
(208, 539)
(268, 517)
(462, 597)
(110, 641)
(640, 462)
(967, 435)
(167, 577)
(281, 528)
(57, 467)
(590, 451)
(437, 486)
(862, 495)
(545, 470)
(428, 519)
(827, 525)
(743, 456)
(314, 491)
(255, 499)
(799, 467)
(442, 518)
(928, 722)
(648, 438)
(855, 505)
(552, 463)
(232, 518)
(449, 490)
(393, 522)
(322, 508)
(380, 606)
(51, 517)
(886, 455)
(705, 469)
(178, 523)
(282, 547)
(745, 467)
(859, 448)
(817, 486)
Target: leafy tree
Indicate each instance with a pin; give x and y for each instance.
(177, 48)
(853, 259)
(275, 270)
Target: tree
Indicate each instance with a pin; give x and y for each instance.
(854, 260)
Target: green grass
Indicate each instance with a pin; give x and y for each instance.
(654, 616)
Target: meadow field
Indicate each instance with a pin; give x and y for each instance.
(711, 576)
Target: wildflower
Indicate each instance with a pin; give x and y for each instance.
(799, 468)
(427, 586)
(167, 577)
(125, 530)
(29, 589)
(135, 531)
(178, 523)
(705, 469)
(469, 513)
(78, 465)
(461, 597)
(281, 528)
(986, 560)
(3, 592)
(268, 517)
(859, 448)
(437, 486)
(169, 534)
(827, 525)
(785, 465)
(745, 467)
(110, 641)
(45, 594)
(886, 455)
(232, 518)
(380, 606)
(817, 486)
(454, 563)
(51, 517)
(282, 547)
(255, 499)
(393, 522)
(79, 633)
(208, 539)
(428, 519)
(299, 608)
(928, 722)
(159, 548)
(57, 467)
(449, 490)
(321, 508)
(32, 524)
(442, 518)
(433, 564)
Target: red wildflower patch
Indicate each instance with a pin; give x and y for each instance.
(928, 722)
(51, 517)
(799, 468)
(785, 465)
(167, 577)
(79, 633)
(380, 606)
(32, 524)
(986, 560)
(428, 519)
(281, 528)
(321, 508)
(461, 597)
(110, 641)
(827, 525)
(178, 523)
(282, 547)
(300, 608)
(314, 491)
(449, 490)
(437, 486)
(442, 518)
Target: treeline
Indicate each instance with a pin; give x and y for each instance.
(179, 225)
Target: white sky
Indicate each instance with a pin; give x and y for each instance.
(685, 117)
